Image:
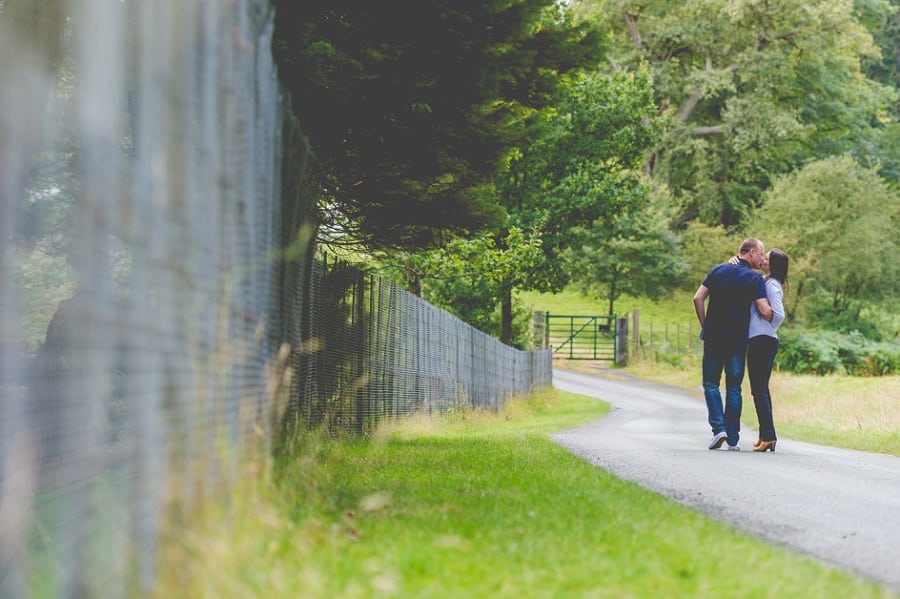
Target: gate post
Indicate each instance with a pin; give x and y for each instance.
(621, 339)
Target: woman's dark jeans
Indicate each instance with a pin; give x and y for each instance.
(761, 352)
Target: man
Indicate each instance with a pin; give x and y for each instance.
(731, 288)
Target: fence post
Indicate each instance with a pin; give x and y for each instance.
(547, 329)
(539, 336)
(621, 339)
(636, 331)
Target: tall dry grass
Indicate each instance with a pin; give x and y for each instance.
(853, 412)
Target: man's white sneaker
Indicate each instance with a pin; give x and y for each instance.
(717, 440)
(734, 448)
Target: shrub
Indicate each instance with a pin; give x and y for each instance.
(807, 353)
(824, 352)
(668, 354)
(819, 311)
(873, 359)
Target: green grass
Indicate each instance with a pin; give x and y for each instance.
(472, 505)
(675, 309)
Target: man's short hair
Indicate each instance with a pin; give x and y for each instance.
(751, 243)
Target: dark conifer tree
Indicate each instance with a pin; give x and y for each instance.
(410, 105)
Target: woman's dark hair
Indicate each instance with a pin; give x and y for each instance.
(778, 266)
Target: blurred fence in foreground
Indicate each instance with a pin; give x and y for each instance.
(160, 307)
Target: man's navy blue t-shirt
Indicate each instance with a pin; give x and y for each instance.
(732, 288)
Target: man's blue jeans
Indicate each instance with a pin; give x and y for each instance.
(715, 360)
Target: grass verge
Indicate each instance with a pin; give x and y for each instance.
(471, 505)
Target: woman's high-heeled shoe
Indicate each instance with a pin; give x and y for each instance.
(765, 446)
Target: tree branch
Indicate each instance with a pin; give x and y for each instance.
(713, 130)
(631, 24)
(690, 103)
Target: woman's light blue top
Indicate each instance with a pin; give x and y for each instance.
(761, 326)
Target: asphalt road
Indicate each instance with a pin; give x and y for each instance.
(840, 506)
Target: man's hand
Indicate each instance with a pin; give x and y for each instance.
(764, 308)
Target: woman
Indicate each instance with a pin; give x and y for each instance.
(763, 344)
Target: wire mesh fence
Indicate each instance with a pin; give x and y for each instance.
(667, 341)
(374, 350)
(160, 304)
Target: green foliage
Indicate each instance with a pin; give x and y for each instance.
(580, 187)
(468, 277)
(45, 278)
(819, 310)
(668, 354)
(807, 353)
(882, 18)
(631, 252)
(861, 357)
(881, 150)
(837, 221)
(704, 246)
(585, 191)
(826, 352)
(751, 90)
(410, 107)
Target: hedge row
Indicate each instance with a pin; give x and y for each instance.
(824, 352)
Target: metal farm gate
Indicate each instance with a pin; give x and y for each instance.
(581, 337)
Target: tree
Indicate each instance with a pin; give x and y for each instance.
(838, 223)
(469, 276)
(630, 250)
(410, 105)
(882, 18)
(585, 171)
(882, 147)
(702, 247)
(750, 90)
(582, 170)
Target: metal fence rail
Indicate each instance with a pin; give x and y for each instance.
(160, 306)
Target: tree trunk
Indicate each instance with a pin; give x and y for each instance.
(612, 296)
(413, 279)
(631, 24)
(506, 319)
